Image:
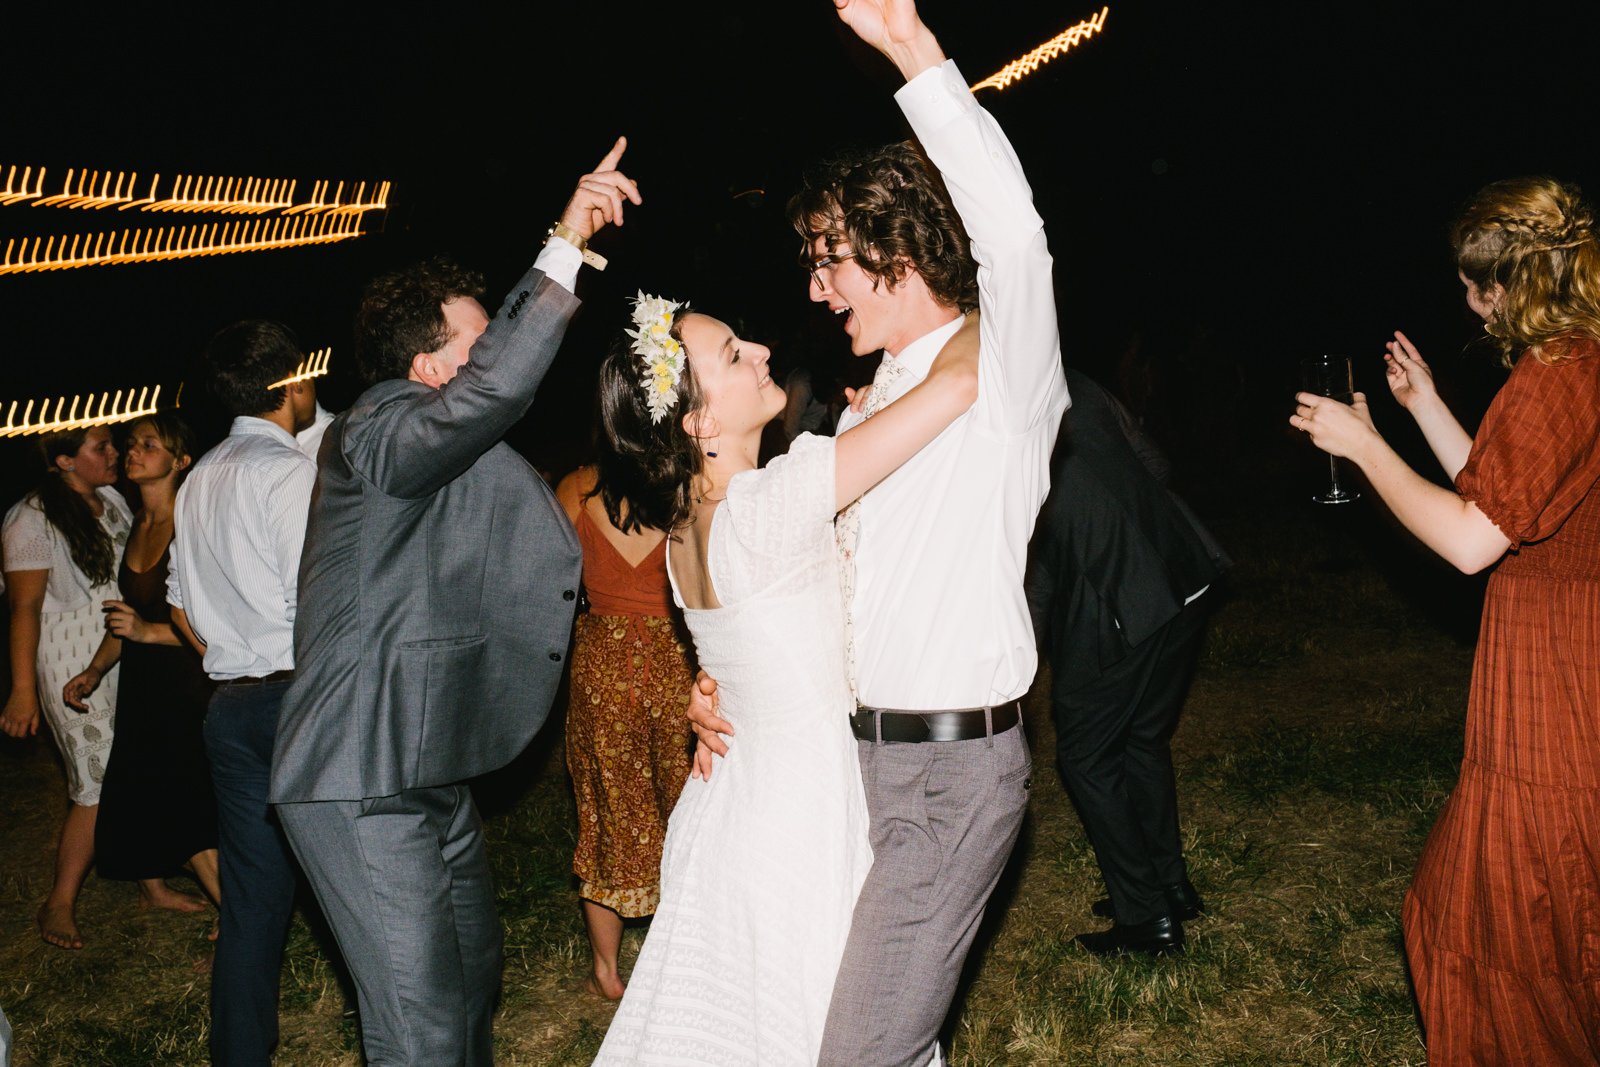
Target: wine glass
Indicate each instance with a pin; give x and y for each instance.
(1331, 376)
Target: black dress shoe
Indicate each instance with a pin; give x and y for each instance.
(1158, 937)
(1183, 903)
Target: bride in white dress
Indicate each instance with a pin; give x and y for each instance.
(762, 860)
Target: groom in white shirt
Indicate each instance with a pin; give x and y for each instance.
(942, 646)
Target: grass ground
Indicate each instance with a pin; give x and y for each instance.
(1320, 738)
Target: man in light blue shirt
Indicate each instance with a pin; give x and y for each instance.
(239, 525)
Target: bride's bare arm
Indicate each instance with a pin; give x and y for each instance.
(866, 454)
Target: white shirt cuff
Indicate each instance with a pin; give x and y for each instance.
(937, 96)
(560, 262)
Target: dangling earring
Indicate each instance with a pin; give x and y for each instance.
(711, 453)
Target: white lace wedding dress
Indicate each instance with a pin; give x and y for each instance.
(762, 864)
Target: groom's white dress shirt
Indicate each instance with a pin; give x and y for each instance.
(939, 614)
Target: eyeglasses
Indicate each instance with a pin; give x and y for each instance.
(815, 267)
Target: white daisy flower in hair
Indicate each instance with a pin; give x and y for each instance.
(660, 353)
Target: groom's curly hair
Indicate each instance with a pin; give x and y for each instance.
(890, 206)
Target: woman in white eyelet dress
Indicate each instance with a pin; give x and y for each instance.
(763, 860)
(62, 546)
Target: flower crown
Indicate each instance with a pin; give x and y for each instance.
(659, 351)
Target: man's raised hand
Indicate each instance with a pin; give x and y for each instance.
(600, 195)
(894, 28)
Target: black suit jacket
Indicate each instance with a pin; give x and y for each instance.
(1116, 553)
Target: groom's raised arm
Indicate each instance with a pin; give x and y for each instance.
(1022, 381)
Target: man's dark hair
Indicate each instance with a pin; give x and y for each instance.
(242, 360)
(892, 209)
(402, 314)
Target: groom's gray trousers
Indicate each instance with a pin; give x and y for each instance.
(404, 882)
(944, 816)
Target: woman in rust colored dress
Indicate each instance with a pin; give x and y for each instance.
(628, 741)
(1502, 922)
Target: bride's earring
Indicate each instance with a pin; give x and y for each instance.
(711, 451)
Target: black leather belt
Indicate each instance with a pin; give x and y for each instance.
(963, 724)
(275, 676)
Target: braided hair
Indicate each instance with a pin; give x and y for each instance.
(1535, 238)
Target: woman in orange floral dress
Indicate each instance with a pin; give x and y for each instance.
(1502, 922)
(628, 741)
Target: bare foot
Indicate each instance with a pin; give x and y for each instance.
(159, 895)
(611, 988)
(58, 926)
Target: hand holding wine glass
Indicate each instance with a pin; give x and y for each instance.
(1337, 428)
(1333, 378)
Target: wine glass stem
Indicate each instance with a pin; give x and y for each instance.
(1333, 477)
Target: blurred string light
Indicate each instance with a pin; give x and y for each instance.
(17, 188)
(320, 202)
(56, 416)
(214, 194)
(1027, 64)
(313, 366)
(176, 242)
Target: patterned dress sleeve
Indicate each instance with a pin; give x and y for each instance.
(29, 544)
(1537, 453)
(785, 510)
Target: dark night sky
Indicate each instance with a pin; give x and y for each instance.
(1274, 178)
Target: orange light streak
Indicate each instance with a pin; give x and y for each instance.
(313, 366)
(201, 194)
(17, 190)
(109, 409)
(177, 242)
(1023, 66)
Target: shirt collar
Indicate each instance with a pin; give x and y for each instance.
(250, 425)
(918, 356)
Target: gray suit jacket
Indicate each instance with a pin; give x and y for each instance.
(438, 579)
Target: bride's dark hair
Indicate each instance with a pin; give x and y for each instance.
(646, 470)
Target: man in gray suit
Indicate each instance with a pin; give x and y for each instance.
(436, 590)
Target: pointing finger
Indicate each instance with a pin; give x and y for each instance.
(614, 156)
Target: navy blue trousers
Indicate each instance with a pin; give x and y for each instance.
(257, 872)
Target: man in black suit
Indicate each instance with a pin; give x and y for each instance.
(1115, 588)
